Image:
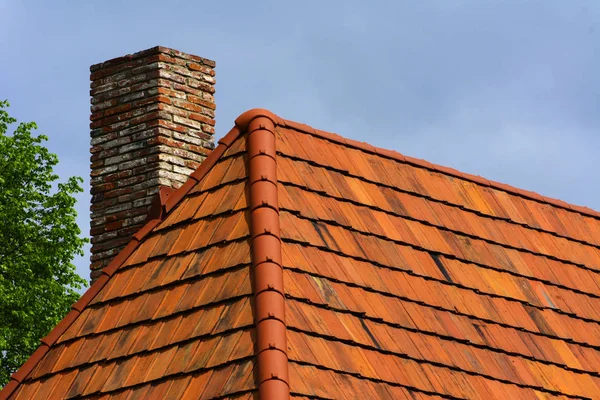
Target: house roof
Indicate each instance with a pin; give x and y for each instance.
(296, 261)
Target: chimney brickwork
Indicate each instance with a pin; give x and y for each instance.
(152, 123)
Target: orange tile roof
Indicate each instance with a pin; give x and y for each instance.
(298, 263)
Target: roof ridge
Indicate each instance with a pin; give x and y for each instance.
(166, 200)
(366, 147)
(272, 375)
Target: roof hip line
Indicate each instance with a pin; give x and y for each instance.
(271, 375)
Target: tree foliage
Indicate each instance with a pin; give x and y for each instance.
(39, 238)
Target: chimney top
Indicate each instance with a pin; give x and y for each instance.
(152, 123)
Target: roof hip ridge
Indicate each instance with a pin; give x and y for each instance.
(272, 375)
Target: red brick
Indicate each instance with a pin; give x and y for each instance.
(202, 102)
(201, 118)
(187, 105)
(114, 225)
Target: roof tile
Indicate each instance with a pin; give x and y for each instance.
(466, 298)
(402, 279)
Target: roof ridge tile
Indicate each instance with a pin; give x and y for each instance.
(272, 375)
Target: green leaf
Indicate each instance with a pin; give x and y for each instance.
(39, 238)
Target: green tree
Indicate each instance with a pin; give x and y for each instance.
(38, 239)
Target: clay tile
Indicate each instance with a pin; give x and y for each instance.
(244, 119)
(264, 125)
(577, 209)
(521, 192)
(274, 389)
(123, 255)
(560, 203)
(268, 276)
(59, 329)
(146, 229)
(269, 305)
(157, 208)
(208, 163)
(164, 193)
(502, 186)
(414, 161)
(272, 365)
(262, 169)
(26, 368)
(299, 127)
(464, 176)
(329, 136)
(572, 207)
(392, 154)
(180, 193)
(352, 143)
(348, 142)
(423, 163)
(98, 285)
(265, 221)
(534, 195)
(230, 137)
(587, 210)
(263, 194)
(90, 293)
(446, 170)
(360, 145)
(479, 179)
(7, 390)
(266, 248)
(254, 151)
(261, 142)
(270, 335)
(374, 149)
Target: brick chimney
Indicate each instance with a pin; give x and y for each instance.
(152, 123)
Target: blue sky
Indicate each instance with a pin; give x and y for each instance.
(506, 89)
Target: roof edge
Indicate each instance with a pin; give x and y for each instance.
(168, 200)
(271, 374)
(437, 168)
